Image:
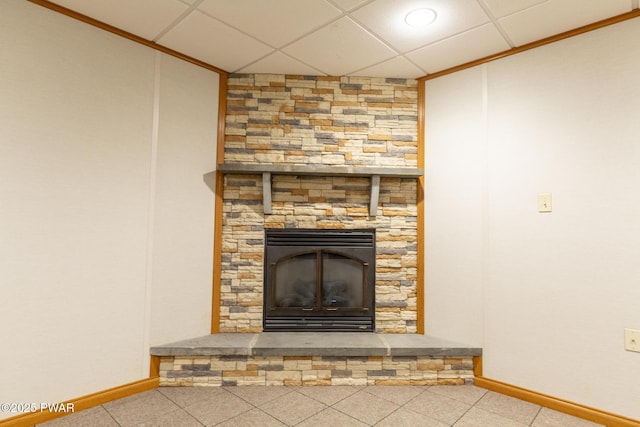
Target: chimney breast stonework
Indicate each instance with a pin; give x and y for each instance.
(323, 121)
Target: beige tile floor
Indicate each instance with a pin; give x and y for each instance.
(343, 406)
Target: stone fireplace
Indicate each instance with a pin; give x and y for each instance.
(334, 125)
(318, 157)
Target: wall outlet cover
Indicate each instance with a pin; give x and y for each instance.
(632, 340)
(544, 202)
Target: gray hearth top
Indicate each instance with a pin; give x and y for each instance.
(315, 344)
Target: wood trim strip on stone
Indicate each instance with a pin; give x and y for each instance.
(154, 367)
(420, 316)
(217, 215)
(477, 366)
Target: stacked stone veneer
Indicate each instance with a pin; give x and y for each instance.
(328, 121)
(314, 370)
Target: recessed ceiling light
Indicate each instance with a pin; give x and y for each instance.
(420, 18)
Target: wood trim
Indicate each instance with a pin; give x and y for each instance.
(565, 35)
(561, 405)
(477, 366)
(420, 318)
(84, 402)
(127, 35)
(154, 367)
(217, 220)
(222, 117)
(217, 256)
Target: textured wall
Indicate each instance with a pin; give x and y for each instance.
(542, 290)
(105, 221)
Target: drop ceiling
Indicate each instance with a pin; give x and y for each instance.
(344, 37)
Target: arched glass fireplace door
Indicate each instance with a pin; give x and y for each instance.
(319, 280)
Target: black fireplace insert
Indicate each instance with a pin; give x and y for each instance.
(319, 280)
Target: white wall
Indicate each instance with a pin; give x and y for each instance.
(455, 165)
(183, 207)
(104, 214)
(547, 295)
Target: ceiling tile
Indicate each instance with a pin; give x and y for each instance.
(275, 22)
(340, 48)
(465, 47)
(279, 63)
(144, 18)
(396, 67)
(386, 18)
(349, 4)
(343, 37)
(501, 8)
(214, 42)
(556, 16)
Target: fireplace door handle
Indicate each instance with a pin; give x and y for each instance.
(307, 309)
(331, 309)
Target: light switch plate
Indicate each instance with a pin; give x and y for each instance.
(632, 340)
(544, 202)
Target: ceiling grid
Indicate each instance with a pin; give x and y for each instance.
(344, 37)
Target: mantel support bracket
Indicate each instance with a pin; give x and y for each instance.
(266, 192)
(374, 194)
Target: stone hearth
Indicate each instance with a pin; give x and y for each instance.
(319, 358)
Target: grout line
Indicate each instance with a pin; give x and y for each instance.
(109, 413)
(464, 414)
(358, 389)
(243, 412)
(393, 412)
(192, 416)
(263, 412)
(536, 416)
(230, 390)
(169, 398)
(312, 415)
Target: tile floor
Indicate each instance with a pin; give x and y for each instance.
(343, 406)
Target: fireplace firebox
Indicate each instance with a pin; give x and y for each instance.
(319, 280)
